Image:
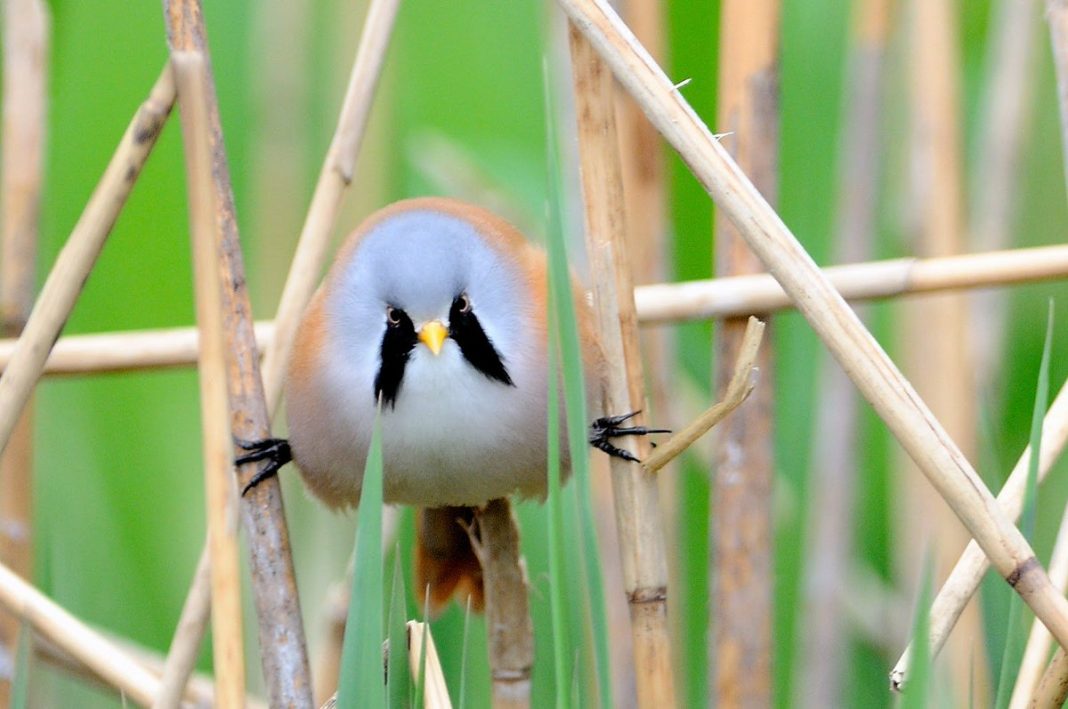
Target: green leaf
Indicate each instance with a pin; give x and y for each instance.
(918, 684)
(21, 682)
(398, 679)
(360, 683)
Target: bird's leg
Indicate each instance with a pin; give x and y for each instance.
(608, 427)
(274, 450)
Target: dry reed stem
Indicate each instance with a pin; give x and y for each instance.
(77, 639)
(26, 26)
(742, 558)
(495, 539)
(738, 389)
(744, 295)
(335, 176)
(185, 645)
(1053, 687)
(657, 304)
(1057, 17)
(281, 631)
(1039, 641)
(829, 530)
(64, 282)
(228, 652)
(963, 581)
(860, 355)
(435, 693)
(638, 517)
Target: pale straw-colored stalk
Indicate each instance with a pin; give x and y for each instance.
(228, 648)
(283, 654)
(188, 635)
(638, 519)
(963, 581)
(420, 641)
(878, 379)
(72, 636)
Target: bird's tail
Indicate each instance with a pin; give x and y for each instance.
(445, 561)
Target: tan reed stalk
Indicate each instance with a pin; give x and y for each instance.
(25, 59)
(641, 155)
(863, 359)
(335, 176)
(495, 539)
(743, 469)
(823, 640)
(1036, 654)
(636, 496)
(1057, 17)
(283, 653)
(940, 368)
(738, 389)
(228, 651)
(185, 645)
(744, 295)
(435, 693)
(77, 639)
(1053, 687)
(964, 580)
(1006, 105)
(74, 262)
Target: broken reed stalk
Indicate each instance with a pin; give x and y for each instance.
(638, 521)
(860, 355)
(742, 557)
(77, 639)
(335, 176)
(26, 27)
(738, 389)
(495, 539)
(823, 639)
(435, 692)
(75, 261)
(963, 581)
(1057, 17)
(283, 652)
(1036, 654)
(228, 652)
(185, 645)
(657, 304)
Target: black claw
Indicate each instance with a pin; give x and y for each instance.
(608, 427)
(275, 451)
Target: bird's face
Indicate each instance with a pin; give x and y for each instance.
(425, 297)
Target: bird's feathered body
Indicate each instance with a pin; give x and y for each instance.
(460, 425)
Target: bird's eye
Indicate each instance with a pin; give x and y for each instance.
(392, 315)
(463, 303)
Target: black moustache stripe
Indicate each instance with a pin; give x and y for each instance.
(476, 347)
(397, 345)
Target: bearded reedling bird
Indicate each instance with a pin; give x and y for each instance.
(437, 309)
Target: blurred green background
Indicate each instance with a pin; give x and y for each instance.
(119, 495)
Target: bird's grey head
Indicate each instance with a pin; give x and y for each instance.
(420, 266)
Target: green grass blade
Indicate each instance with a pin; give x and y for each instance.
(1015, 634)
(361, 683)
(562, 305)
(398, 679)
(21, 683)
(917, 688)
(554, 506)
(462, 698)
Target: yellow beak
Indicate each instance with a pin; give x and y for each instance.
(433, 335)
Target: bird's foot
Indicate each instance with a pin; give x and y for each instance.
(274, 450)
(608, 427)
